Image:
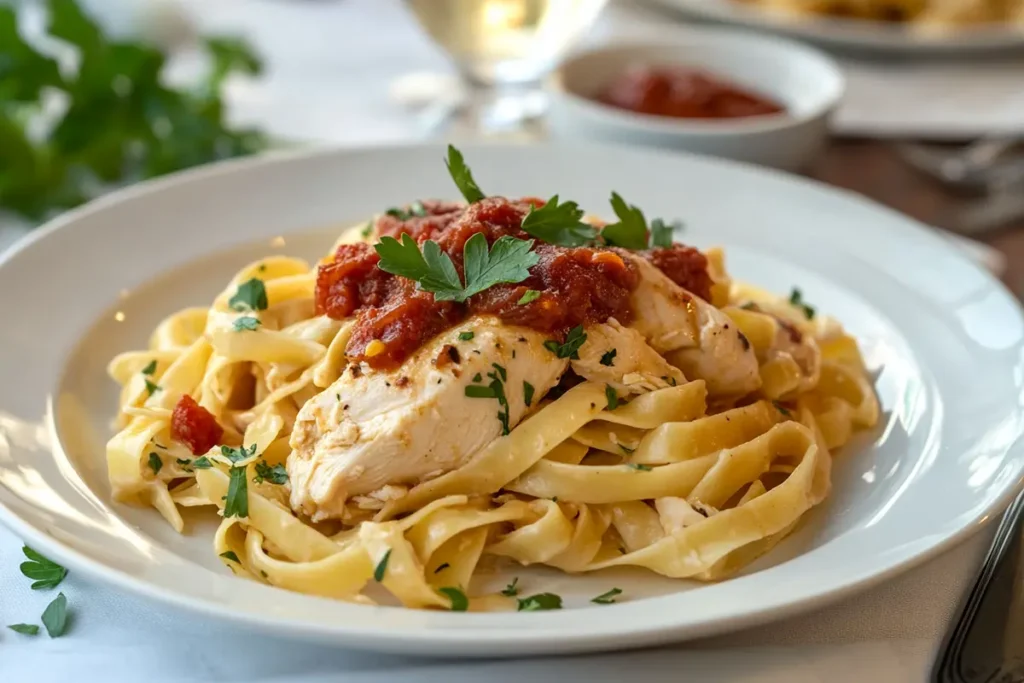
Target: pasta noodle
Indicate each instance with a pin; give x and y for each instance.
(680, 480)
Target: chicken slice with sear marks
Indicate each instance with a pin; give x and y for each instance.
(376, 428)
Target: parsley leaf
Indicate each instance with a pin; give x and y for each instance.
(415, 209)
(495, 389)
(462, 176)
(150, 368)
(202, 463)
(608, 357)
(466, 336)
(460, 603)
(570, 349)
(237, 503)
(230, 555)
(55, 616)
(637, 466)
(43, 571)
(508, 260)
(607, 598)
(541, 601)
(528, 296)
(661, 232)
(155, 463)
(612, 396)
(25, 629)
(512, 589)
(631, 230)
(184, 463)
(797, 299)
(246, 323)
(367, 230)
(527, 393)
(151, 388)
(251, 295)
(238, 454)
(559, 224)
(277, 474)
(382, 566)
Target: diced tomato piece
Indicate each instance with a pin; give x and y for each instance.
(195, 426)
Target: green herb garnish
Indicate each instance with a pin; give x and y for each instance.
(528, 296)
(151, 388)
(539, 602)
(246, 324)
(238, 454)
(43, 571)
(55, 617)
(631, 230)
(367, 229)
(512, 589)
(155, 463)
(636, 466)
(527, 393)
(382, 566)
(661, 233)
(508, 260)
(570, 349)
(462, 176)
(612, 396)
(202, 463)
(495, 389)
(782, 409)
(608, 357)
(559, 224)
(150, 368)
(251, 295)
(466, 336)
(230, 555)
(24, 629)
(607, 598)
(277, 474)
(459, 601)
(797, 299)
(237, 502)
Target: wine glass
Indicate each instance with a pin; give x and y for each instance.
(502, 49)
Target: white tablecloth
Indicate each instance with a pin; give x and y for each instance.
(889, 633)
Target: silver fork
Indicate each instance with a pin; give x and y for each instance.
(977, 165)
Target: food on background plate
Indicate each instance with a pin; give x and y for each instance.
(457, 384)
(922, 14)
(685, 93)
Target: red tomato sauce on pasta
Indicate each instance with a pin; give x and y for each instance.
(576, 285)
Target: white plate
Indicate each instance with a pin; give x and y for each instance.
(945, 339)
(857, 34)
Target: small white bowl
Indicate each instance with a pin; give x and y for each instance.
(805, 81)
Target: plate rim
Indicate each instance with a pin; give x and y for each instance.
(492, 640)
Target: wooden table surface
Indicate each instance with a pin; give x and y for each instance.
(874, 169)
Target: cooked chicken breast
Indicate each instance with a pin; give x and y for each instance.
(372, 429)
(620, 356)
(692, 334)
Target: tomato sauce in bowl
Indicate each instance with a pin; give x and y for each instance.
(683, 93)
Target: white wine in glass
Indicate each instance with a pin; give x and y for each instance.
(505, 42)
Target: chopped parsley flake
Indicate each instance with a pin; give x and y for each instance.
(608, 357)
(459, 601)
(797, 299)
(382, 566)
(55, 616)
(202, 463)
(462, 176)
(495, 389)
(508, 261)
(476, 378)
(607, 598)
(539, 602)
(246, 324)
(527, 393)
(612, 396)
(25, 629)
(151, 388)
(43, 571)
(559, 224)
(466, 336)
(150, 368)
(512, 589)
(275, 475)
(637, 466)
(570, 349)
(230, 555)
(185, 464)
(238, 454)
(782, 409)
(528, 296)
(237, 501)
(155, 463)
(367, 229)
(251, 295)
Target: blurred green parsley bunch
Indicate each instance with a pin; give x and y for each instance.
(120, 121)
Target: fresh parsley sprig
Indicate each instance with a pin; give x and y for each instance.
(559, 224)
(277, 474)
(462, 176)
(43, 571)
(508, 261)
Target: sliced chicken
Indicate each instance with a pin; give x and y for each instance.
(620, 357)
(692, 334)
(372, 429)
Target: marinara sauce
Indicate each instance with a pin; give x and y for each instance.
(685, 94)
(576, 285)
